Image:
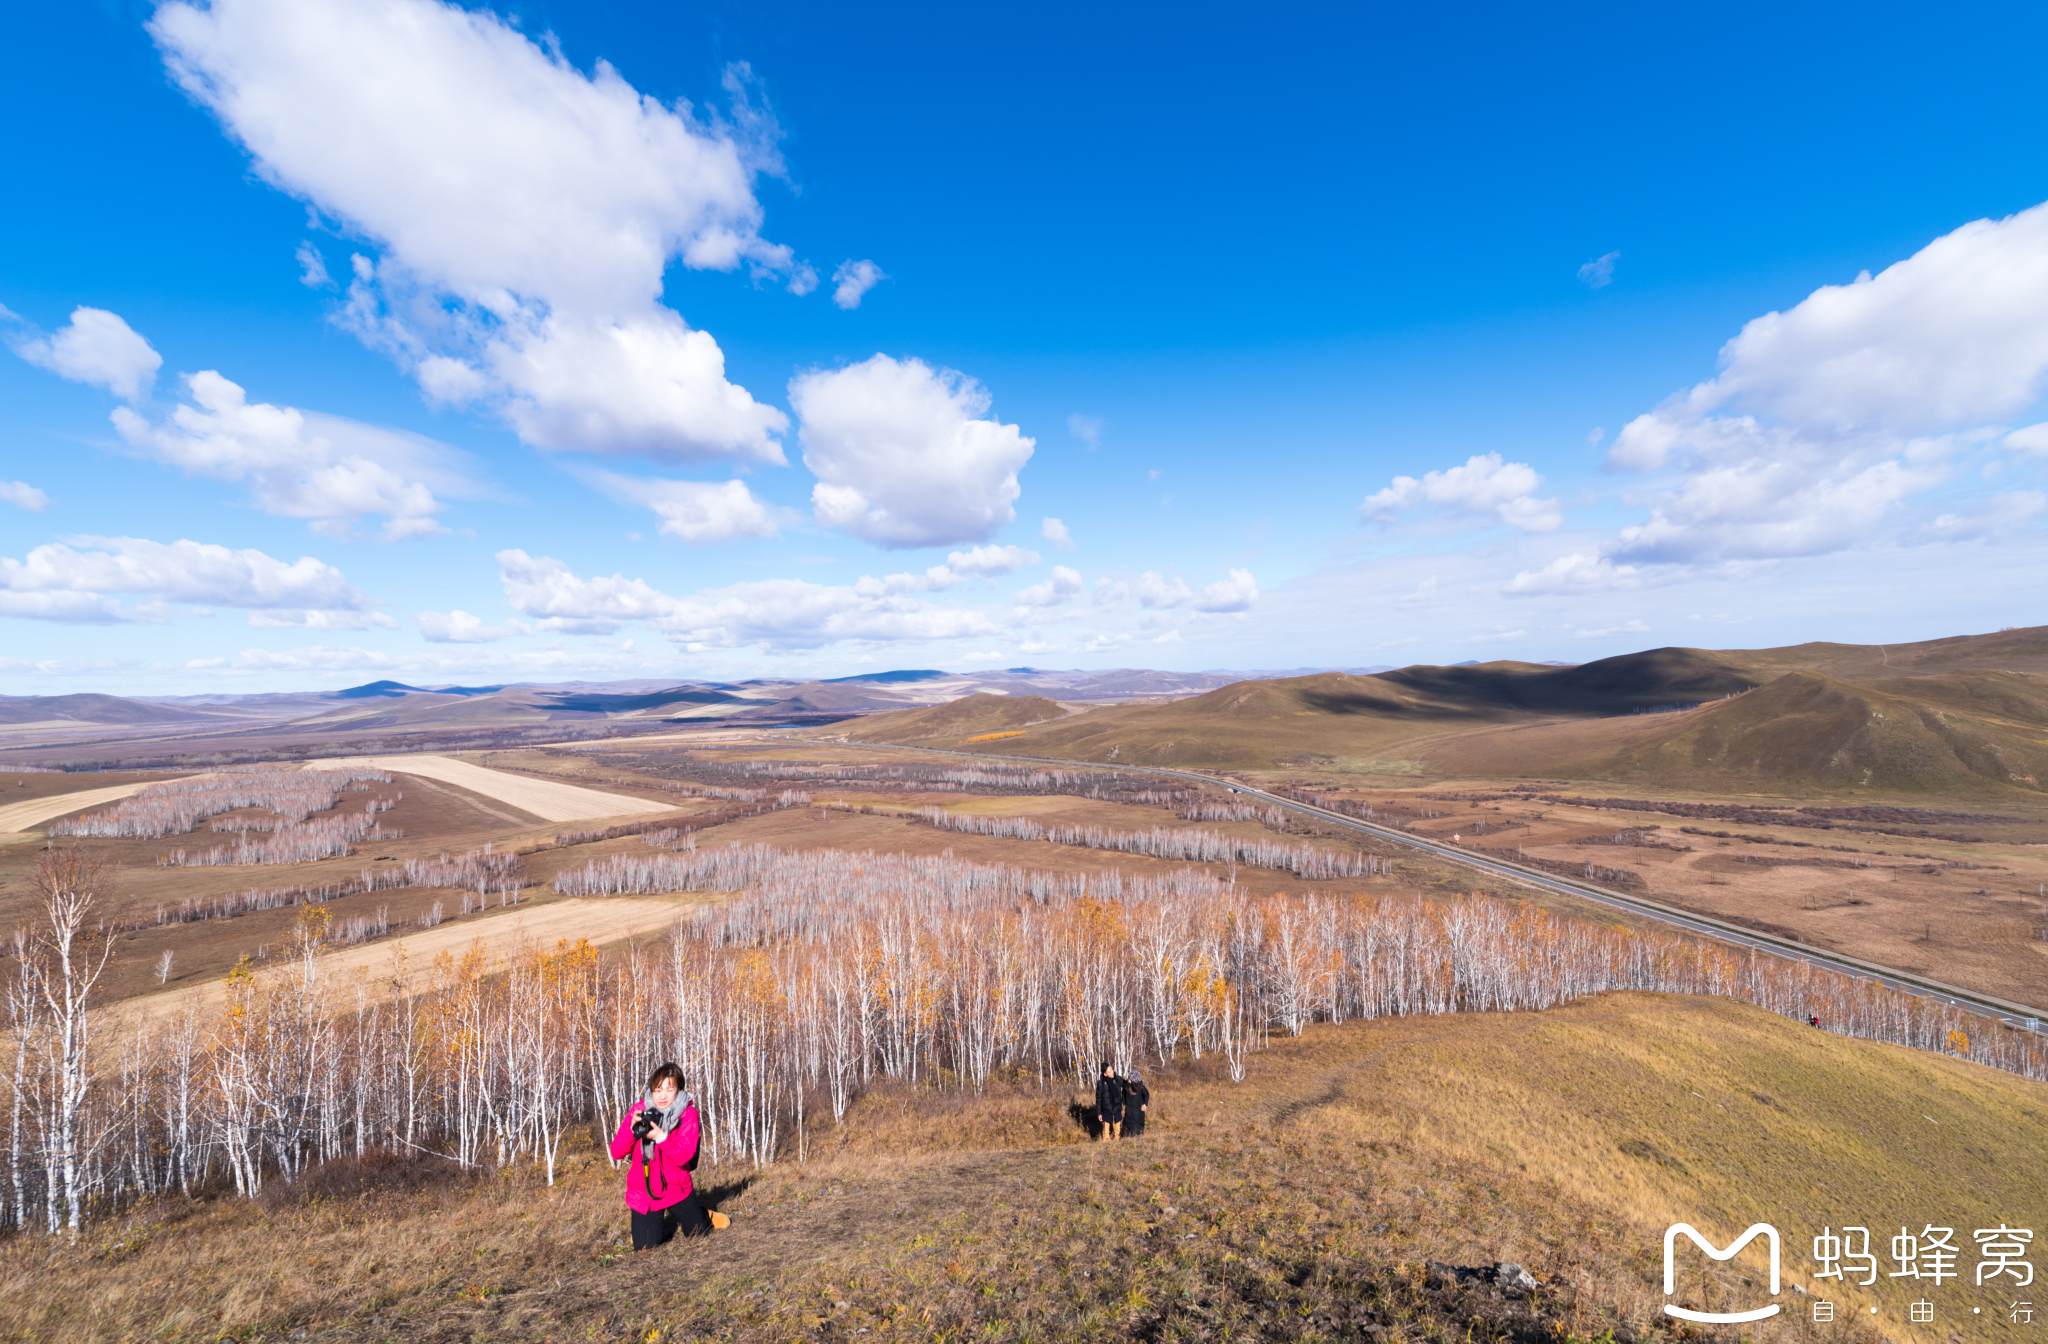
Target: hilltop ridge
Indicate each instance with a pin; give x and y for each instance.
(1969, 712)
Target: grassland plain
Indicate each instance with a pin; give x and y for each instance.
(1305, 1203)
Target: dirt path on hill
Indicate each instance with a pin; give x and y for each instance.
(601, 920)
(544, 799)
(27, 816)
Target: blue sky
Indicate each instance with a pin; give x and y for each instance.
(548, 341)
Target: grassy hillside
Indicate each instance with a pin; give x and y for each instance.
(93, 708)
(1302, 1203)
(1964, 713)
(1256, 724)
(966, 717)
(2020, 650)
(1968, 731)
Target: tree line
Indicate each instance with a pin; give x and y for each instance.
(823, 972)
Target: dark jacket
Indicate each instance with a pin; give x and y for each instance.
(1109, 1100)
(1137, 1096)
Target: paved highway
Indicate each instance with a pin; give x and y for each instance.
(2013, 1014)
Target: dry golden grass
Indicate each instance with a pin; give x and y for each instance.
(1301, 1204)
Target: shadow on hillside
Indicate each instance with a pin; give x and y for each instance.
(712, 1196)
(343, 1178)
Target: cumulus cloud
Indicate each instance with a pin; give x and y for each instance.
(701, 513)
(988, 562)
(459, 627)
(22, 495)
(1236, 593)
(1153, 591)
(327, 470)
(96, 347)
(1064, 585)
(1055, 531)
(854, 279)
(1599, 272)
(525, 211)
(902, 456)
(1484, 484)
(1833, 420)
(1577, 572)
(79, 580)
(774, 613)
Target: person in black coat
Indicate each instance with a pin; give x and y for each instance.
(1109, 1102)
(1137, 1097)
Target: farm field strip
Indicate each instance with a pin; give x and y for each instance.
(544, 799)
(1890, 976)
(27, 815)
(598, 920)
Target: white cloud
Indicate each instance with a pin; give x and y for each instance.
(545, 588)
(22, 495)
(774, 613)
(1629, 627)
(1236, 593)
(1484, 484)
(1999, 516)
(322, 620)
(1599, 272)
(1577, 572)
(1594, 435)
(699, 512)
(1055, 531)
(312, 267)
(77, 580)
(989, 561)
(1153, 591)
(902, 458)
(1829, 423)
(2032, 439)
(459, 627)
(1086, 428)
(1955, 334)
(1063, 585)
(327, 470)
(96, 347)
(525, 211)
(853, 280)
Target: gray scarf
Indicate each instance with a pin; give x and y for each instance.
(670, 1118)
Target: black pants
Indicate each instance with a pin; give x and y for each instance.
(655, 1229)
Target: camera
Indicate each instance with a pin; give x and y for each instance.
(646, 1122)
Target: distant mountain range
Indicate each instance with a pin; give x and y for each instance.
(398, 710)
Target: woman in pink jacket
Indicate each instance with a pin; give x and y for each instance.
(659, 1133)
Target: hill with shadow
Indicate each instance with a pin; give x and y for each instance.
(1964, 713)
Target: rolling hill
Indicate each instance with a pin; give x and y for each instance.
(88, 708)
(968, 717)
(1963, 713)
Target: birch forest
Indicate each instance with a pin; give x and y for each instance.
(815, 974)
